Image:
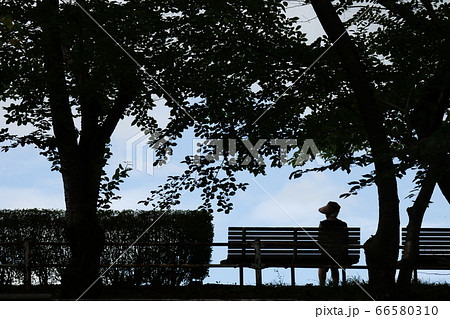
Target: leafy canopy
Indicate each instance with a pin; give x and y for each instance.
(404, 47)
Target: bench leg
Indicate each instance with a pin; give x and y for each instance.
(241, 276)
(293, 276)
(258, 272)
(344, 276)
(258, 266)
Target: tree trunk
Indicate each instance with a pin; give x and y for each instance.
(411, 250)
(81, 153)
(381, 249)
(81, 179)
(81, 167)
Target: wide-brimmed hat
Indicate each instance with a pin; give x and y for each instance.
(330, 208)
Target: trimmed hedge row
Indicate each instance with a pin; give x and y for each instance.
(121, 227)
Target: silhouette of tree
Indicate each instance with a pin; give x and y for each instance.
(414, 99)
(60, 68)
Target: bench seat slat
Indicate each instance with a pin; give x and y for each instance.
(434, 239)
(437, 243)
(281, 232)
(280, 238)
(289, 243)
(283, 251)
(434, 253)
(233, 230)
(434, 247)
(288, 261)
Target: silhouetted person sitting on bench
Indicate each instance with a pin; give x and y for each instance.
(333, 237)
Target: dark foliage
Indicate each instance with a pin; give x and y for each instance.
(121, 230)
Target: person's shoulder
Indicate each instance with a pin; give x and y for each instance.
(342, 222)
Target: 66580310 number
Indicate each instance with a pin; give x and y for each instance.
(407, 310)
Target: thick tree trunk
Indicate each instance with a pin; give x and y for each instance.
(81, 167)
(381, 249)
(83, 231)
(81, 155)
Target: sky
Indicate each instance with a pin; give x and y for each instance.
(27, 182)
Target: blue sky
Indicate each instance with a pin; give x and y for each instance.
(27, 182)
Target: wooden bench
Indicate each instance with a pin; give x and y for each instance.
(434, 249)
(287, 247)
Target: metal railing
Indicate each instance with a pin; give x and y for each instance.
(27, 266)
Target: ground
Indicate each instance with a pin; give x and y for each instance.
(424, 292)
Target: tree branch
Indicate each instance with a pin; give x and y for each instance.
(88, 94)
(62, 120)
(442, 102)
(124, 98)
(403, 12)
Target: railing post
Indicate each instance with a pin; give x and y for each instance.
(241, 268)
(294, 258)
(258, 270)
(241, 276)
(293, 276)
(27, 265)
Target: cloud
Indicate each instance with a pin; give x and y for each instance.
(27, 197)
(27, 181)
(296, 202)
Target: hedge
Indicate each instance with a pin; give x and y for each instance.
(121, 227)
